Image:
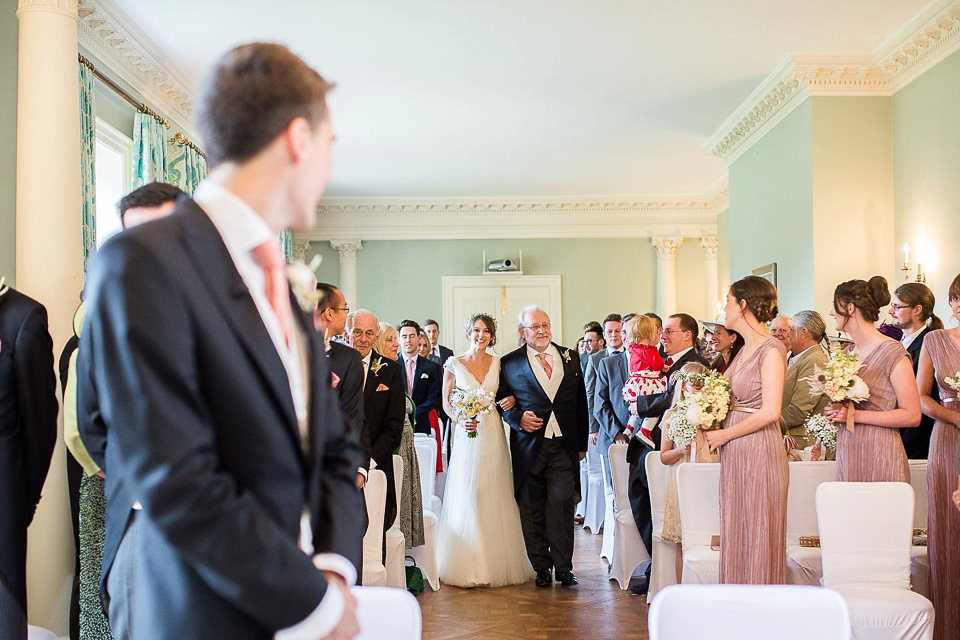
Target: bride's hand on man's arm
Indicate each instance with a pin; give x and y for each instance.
(507, 403)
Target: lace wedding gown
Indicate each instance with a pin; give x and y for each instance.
(480, 542)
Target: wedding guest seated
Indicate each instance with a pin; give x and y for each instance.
(724, 343)
(809, 344)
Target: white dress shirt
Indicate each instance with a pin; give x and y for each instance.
(242, 229)
(549, 385)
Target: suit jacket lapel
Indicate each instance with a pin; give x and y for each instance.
(219, 275)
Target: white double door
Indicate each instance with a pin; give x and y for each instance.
(501, 296)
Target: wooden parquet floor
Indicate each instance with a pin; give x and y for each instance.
(596, 610)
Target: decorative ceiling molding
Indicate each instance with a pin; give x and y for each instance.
(467, 218)
(913, 50)
(108, 34)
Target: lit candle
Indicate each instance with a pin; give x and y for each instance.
(906, 253)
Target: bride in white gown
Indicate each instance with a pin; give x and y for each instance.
(480, 542)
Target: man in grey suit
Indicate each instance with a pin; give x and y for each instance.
(614, 341)
(799, 402)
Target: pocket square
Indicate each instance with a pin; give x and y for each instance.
(424, 375)
(334, 380)
(382, 387)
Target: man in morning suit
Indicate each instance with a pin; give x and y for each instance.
(383, 404)
(421, 377)
(213, 385)
(438, 352)
(678, 337)
(28, 432)
(548, 438)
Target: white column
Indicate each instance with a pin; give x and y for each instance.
(709, 244)
(666, 273)
(49, 253)
(300, 248)
(347, 252)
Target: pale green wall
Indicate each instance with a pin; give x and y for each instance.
(723, 256)
(771, 208)
(8, 140)
(852, 192)
(401, 279)
(926, 160)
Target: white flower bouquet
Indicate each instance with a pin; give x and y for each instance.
(681, 430)
(823, 430)
(468, 404)
(708, 407)
(840, 382)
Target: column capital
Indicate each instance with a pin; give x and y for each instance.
(65, 7)
(347, 248)
(666, 247)
(300, 248)
(710, 245)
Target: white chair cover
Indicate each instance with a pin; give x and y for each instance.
(866, 531)
(581, 510)
(628, 549)
(609, 516)
(919, 567)
(698, 488)
(804, 566)
(396, 574)
(596, 500)
(375, 494)
(426, 448)
(663, 571)
(387, 613)
(426, 554)
(748, 612)
(39, 633)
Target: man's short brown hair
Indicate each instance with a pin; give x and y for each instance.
(250, 97)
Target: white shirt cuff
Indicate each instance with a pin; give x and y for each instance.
(326, 616)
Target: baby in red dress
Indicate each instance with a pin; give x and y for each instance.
(646, 371)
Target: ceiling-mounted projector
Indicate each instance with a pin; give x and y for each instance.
(502, 265)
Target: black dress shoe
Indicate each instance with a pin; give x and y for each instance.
(544, 578)
(567, 579)
(638, 589)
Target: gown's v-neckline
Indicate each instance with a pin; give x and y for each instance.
(472, 375)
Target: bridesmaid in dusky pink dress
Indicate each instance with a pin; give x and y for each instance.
(939, 359)
(874, 451)
(753, 463)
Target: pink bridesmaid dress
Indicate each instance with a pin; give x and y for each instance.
(753, 484)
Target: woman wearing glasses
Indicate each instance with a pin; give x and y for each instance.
(873, 451)
(940, 359)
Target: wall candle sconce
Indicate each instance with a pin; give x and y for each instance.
(921, 276)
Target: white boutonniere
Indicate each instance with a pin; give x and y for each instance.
(303, 281)
(566, 356)
(375, 365)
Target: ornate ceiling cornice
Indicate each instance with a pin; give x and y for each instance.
(466, 218)
(922, 43)
(107, 33)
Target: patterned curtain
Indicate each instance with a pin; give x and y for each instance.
(186, 167)
(149, 151)
(286, 245)
(88, 146)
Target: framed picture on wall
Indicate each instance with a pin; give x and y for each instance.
(768, 271)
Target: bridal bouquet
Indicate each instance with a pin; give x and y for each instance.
(681, 430)
(840, 382)
(823, 430)
(707, 407)
(468, 404)
(954, 382)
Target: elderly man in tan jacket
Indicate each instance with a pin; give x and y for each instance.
(799, 402)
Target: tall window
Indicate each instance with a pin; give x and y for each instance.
(113, 167)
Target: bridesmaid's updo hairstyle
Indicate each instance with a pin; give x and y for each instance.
(487, 320)
(918, 294)
(760, 296)
(867, 296)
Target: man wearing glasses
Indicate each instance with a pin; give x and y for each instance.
(548, 438)
(383, 403)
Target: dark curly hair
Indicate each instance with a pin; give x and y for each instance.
(867, 296)
(760, 296)
(487, 320)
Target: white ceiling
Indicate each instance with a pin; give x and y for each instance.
(515, 98)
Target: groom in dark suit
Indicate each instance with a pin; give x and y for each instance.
(214, 388)
(548, 438)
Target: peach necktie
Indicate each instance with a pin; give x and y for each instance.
(267, 256)
(545, 363)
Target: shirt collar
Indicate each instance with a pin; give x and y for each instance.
(906, 340)
(240, 226)
(679, 354)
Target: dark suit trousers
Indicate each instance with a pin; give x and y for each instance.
(639, 493)
(547, 507)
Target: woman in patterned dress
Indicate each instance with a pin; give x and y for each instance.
(939, 359)
(753, 464)
(873, 452)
